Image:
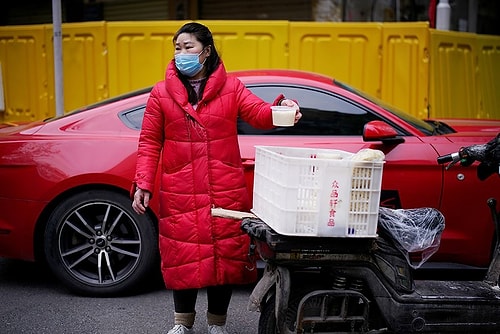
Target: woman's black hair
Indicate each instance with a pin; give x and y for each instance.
(204, 36)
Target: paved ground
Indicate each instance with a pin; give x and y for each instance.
(32, 301)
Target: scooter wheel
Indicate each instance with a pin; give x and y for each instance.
(267, 320)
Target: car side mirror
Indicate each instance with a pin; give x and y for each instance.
(381, 131)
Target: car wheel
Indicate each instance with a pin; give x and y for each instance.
(97, 245)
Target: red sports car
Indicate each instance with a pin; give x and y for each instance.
(64, 195)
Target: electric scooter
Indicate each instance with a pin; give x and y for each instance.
(367, 285)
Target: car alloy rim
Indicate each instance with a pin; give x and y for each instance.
(99, 243)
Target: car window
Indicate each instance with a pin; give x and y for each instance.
(133, 118)
(323, 113)
(428, 128)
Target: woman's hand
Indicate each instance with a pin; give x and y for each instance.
(141, 200)
(293, 104)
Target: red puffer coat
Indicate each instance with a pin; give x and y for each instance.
(201, 169)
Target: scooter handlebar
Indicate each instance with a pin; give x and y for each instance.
(445, 158)
(487, 154)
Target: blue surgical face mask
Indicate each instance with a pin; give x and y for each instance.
(188, 63)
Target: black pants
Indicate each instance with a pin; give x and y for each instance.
(218, 299)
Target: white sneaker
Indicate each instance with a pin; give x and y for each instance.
(181, 329)
(214, 329)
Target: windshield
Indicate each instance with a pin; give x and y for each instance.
(426, 128)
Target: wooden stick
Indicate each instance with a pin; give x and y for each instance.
(224, 213)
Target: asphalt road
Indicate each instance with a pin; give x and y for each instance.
(32, 301)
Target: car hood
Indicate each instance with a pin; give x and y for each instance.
(467, 138)
(472, 125)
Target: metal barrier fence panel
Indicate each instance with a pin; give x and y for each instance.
(453, 76)
(251, 44)
(405, 67)
(426, 72)
(349, 52)
(488, 83)
(25, 73)
(138, 53)
(84, 64)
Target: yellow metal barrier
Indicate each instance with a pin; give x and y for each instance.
(425, 72)
(349, 52)
(453, 74)
(464, 75)
(25, 74)
(84, 64)
(488, 83)
(251, 44)
(405, 67)
(140, 51)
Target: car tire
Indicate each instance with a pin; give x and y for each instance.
(98, 246)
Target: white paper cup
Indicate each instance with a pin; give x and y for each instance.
(283, 115)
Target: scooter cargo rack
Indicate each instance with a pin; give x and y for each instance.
(276, 247)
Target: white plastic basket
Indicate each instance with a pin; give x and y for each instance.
(316, 192)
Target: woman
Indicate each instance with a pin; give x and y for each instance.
(190, 122)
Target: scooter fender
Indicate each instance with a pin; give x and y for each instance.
(272, 276)
(280, 278)
(493, 274)
(261, 289)
(283, 285)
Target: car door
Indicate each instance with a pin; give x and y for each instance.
(333, 121)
